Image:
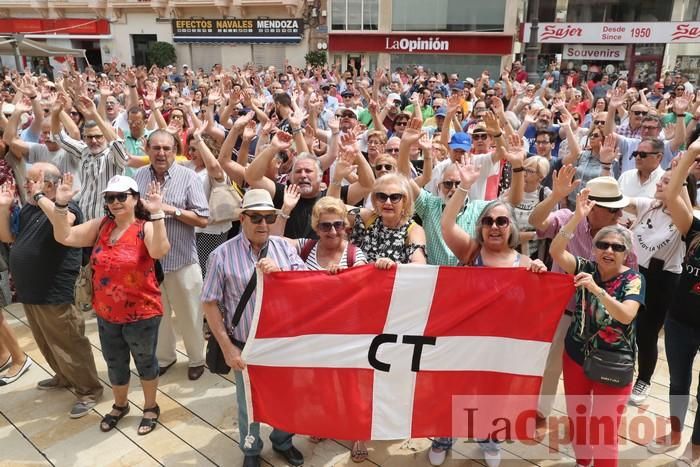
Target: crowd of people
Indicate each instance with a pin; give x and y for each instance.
(175, 187)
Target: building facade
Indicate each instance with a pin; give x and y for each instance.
(204, 32)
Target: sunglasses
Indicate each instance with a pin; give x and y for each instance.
(95, 137)
(74, 113)
(500, 221)
(386, 167)
(480, 136)
(641, 154)
(599, 122)
(121, 197)
(650, 128)
(449, 184)
(404, 123)
(393, 197)
(610, 210)
(327, 226)
(258, 218)
(640, 113)
(392, 150)
(616, 247)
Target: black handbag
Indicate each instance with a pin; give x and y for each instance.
(215, 356)
(607, 366)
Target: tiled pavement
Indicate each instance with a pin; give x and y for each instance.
(198, 426)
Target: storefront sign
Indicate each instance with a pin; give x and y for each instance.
(69, 26)
(616, 33)
(238, 30)
(493, 44)
(594, 52)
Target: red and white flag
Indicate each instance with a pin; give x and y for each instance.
(404, 353)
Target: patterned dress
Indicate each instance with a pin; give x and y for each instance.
(379, 241)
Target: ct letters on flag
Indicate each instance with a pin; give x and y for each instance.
(404, 353)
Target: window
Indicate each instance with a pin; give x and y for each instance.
(465, 65)
(620, 11)
(692, 11)
(355, 15)
(447, 15)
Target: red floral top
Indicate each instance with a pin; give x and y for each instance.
(123, 276)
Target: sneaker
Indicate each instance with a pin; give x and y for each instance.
(49, 384)
(492, 458)
(81, 408)
(640, 392)
(7, 379)
(436, 456)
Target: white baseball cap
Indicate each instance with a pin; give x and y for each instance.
(121, 184)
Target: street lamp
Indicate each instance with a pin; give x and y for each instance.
(533, 46)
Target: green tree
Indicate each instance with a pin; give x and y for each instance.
(161, 54)
(316, 58)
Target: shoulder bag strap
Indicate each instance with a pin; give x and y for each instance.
(352, 253)
(248, 292)
(307, 249)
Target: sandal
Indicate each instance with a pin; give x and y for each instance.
(149, 423)
(109, 421)
(315, 439)
(359, 452)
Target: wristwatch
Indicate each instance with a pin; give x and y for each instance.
(38, 196)
(178, 213)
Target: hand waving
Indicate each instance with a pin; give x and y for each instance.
(153, 201)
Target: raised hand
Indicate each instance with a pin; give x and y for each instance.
(242, 121)
(497, 105)
(249, 131)
(516, 154)
(86, 106)
(563, 181)
(491, 122)
(296, 118)
(681, 103)
(426, 145)
(291, 198)
(608, 152)
(617, 98)
(7, 194)
(583, 204)
(344, 164)
(454, 103)
(64, 191)
(153, 201)
(334, 124)
(412, 133)
(281, 141)
(468, 173)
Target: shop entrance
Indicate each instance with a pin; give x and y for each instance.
(646, 62)
(140, 44)
(92, 53)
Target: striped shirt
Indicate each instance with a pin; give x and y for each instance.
(94, 171)
(229, 269)
(429, 209)
(312, 260)
(183, 190)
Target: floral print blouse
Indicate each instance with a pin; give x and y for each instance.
(594, 319)
(379, 241)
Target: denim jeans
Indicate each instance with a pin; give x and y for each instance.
(139, 339)
(280, 439)
(682, 344)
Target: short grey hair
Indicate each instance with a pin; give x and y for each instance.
(623, 233)
(513, 238)
(308, 156)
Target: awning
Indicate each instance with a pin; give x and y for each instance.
(31, 48)
(219, 40)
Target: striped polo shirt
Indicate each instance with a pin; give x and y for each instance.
(184, 190)
(229, 269)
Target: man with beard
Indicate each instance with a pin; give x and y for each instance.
(100, 156)
(306, 176)
(429, 206)
(542, 120)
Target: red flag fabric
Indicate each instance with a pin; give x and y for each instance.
(404, 353)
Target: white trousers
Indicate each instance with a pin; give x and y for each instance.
(552, 370)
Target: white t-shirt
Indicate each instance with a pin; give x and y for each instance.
(655, 236)
(631, 186)
(487, 168)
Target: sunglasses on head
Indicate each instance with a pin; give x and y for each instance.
(386, 167)
(480, 136)
(393, 197)
(642, 154)
(639, 113)
(327, 226)
(500, 221)
(121, 197)
(258, 218)
(449, 184)
(616, 247)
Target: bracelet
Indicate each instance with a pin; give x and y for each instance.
(284, 216)
(685, 183)
(601, 294)
(297, 130)
(518, 169)
(38, 196)
(157, 216)
(132, 86)
(340, 183)
(565, 234)
(60, 206)
(462, 189)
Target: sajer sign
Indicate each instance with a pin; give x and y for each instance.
(616, 33)
(594, 52)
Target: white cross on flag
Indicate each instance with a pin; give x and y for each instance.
(370, 354)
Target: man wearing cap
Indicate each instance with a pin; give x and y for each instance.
(44, 273)
(329, 102)
(609, 202)
(656, 94)
(231, 267)
(186, 207)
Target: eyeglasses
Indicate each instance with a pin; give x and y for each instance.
(610, 210)
(74, 113)
(599, 122)
(650, 128)
(480, 136)
(162, 148)
(385, 167)
(178, 116)
(401, 123)
(639, 113)
(393, 197)
(616, 247)
(500, 221)
(449, 184)
(642, 154)
(327, 226)
(542, 141)
(392, 150)
(530, 171)
(121, 197)
(436, 107)
(258, 218)
(95, 137)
